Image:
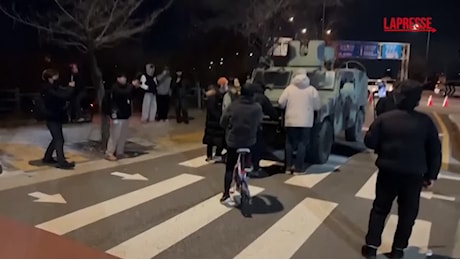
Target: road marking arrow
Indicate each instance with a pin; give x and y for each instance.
(129, 177)
(430, 195)
(48, 198)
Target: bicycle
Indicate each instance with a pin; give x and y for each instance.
(241, 181)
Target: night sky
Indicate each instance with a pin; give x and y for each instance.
(364, 21)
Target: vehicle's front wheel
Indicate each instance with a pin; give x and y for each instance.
(322, 140)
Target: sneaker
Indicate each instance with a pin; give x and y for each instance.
(249, 169)
(209, 159)
(218, 159)
(369, 252)
(81, 120)
(296, 173)
(66, 165)
(396, 253)
(225, 198)
(110, 157)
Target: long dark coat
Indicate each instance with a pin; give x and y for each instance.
(214, 134)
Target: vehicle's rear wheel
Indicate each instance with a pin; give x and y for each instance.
(355, 133)
(322, 140)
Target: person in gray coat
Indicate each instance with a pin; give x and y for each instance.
(164, 94)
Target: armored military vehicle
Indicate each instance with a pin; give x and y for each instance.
(343, 93)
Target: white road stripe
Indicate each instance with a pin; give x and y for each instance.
(309, 180)
(159, 238)
(285, 237)
(420, 237)
(449, 177)
(91, 214)
(367, 191)
(196, 162)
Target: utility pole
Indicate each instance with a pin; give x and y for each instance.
(323, 20)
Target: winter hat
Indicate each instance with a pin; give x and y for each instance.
(247, 90)
(408, 94)
(222, 81)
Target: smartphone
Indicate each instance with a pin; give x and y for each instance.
(382, 92)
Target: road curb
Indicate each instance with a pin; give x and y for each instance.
(454, 133)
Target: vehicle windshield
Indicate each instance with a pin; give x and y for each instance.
(277, 79)
(321, 80)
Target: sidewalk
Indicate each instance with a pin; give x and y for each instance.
(22, 148)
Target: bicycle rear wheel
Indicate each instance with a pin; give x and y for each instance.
(246, 203)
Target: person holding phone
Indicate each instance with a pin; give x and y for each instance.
(409, 158)
(55, 99)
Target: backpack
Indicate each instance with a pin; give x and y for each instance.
(39, 110)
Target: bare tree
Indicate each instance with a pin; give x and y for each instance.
(90, 25)
(261, 21)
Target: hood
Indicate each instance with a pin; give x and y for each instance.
(257, 88)
(408, 94)
(300, 80)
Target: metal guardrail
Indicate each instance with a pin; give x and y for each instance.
(10, 100)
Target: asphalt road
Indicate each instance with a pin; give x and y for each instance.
(169, 208)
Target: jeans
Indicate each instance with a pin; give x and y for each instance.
(181, 110)
(389, 186)
(149, 107)
(297, 139)
(118, 135)
(57, 143)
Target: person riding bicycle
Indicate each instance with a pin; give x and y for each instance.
(241, 121)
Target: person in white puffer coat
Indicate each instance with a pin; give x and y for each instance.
(300, 100)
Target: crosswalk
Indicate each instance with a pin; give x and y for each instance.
(197, 230)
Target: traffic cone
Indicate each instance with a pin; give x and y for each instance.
(445, 103)
(430, 101)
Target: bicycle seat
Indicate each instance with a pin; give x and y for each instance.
(243, 150)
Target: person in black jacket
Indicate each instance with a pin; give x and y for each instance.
(120, 112)
(149, 83)
(55, 99)
(386, 103)
(241, 121)
(179, 95)
(268, 110)
(79, 93)
(213, 133)
(409, 158)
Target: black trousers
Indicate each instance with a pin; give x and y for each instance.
(76, 105)
(181, 108)
(57, 143)
(406, 188)
(163, 106)
(297, 139)
(256, 151)
(232, 159)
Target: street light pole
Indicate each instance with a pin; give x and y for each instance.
(427, 52)
(323, 27)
